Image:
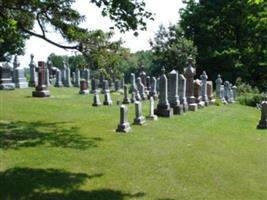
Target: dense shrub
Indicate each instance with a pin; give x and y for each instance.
(251, 99)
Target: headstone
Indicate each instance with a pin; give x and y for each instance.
(133, 84)
(210, 92)
(33, 74)
(58, 82)
(182, 92)
(117, 85)
(141, 89)
(227, 91)
(151, 115)
(234, 88)
(68, 79)
(73, 78)
(20, 80)
(263, 121)
(142, 75)
(126, 99)
(41, 89)
(94, 86)
(124, 125)
(77, 78)
(204, 79)
(16, 64)
(153, 88)
(64, 72)
(231, 94)
(96, 101)
(107, 99)
(197, 94)
(6, 77)
(83, 87)
(105, 86)
(173, 93)
(189, 74)
(163, 108)
(47, 80)
(218, 86)
(139, 118)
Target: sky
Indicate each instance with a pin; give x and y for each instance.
(166, 12)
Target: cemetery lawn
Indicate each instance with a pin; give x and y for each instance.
(62, 148)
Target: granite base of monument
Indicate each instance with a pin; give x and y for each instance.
(262, 125)
(152, 118)
(84, 92)
(124, 128)
(164, 111)
(41, 93)
(201, 104)
(177, 109)
(7, 86)
(139, 120)
(22, 85)
(193, 107)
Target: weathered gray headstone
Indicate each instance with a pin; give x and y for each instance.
(67, 82)
(151, 115)
(133, 84)
(142, 75)
(139, 118)
(124, 125)
(141, 89)
(58, 82)
(204, 79)
(173, 93)
(96, 101)
(77, 78)
(189, 74)
(73, 78)
(33, 74)
(182, 92)
(20, 80)
(153, 88)
(94, 86)
(210, 92)
(163, 107)
(227, 91)
(41, 89)
(263, 121)
(234, 88)
(47, 80)
(64, 72)
(84, 87)
(126, 99)
(218, 86)
(6, 77)
(197, 94)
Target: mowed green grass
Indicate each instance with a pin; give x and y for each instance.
(63, 148)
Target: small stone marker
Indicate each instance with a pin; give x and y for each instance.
(151, 115)
(139, 118)
(96, 101)
(218, 83)
(83, 87)
(263, 121)
(41, 89)
(124, 125)
(126, 99)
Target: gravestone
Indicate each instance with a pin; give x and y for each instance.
(58, 82)
(123, 80)
(41, 89)
(117, 85)
(133, 97)
(107, 98)
(197, 93)
(263, 121)
(210, 92)
(64, 72)
(126, 99)
(83, 87)
(218, 83)
(73, 78)
(16, 65)
(151, 115)
(96, 101)
(231, 94)
(163, 108)
(68, 79)
(234, 88)
(141, 89)
(77, 78)
(47, 80)
(222, 94)
(133, 84)
(137, 95)
(33, 74)
(139, 118)
(101, 80)
(189, 74)
(204, 79)
(94, 86)
(142, 75)
(227, 91)
(182, 92)
(153, 88)
(124, 125)
(6, 77)
(173, 93)
(105, 86)
(20, 80)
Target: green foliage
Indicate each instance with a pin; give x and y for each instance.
(230, 37)
(171, 49)
(17, 20)
(251, 99)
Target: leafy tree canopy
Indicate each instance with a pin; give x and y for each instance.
(17, 19)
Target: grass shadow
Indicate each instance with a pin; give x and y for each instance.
(14, 135)
(52, 184)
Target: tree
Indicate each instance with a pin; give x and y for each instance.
(18, 18)
(171, 49)
(230, 37)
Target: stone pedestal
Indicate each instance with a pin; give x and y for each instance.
(210, 93)
(124, 125)
(151, 115)
(126, 99)
(41, 89)
(139, 118)
(20, 80)
(6, 77)
(83, 87)
(218, 83)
